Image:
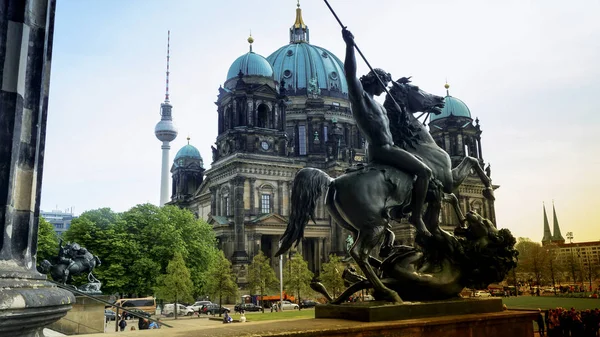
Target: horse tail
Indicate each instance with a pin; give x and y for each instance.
(97, 259)
(308, 186)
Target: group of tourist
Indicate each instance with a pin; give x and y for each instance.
(562, 322)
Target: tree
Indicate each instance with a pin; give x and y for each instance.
(533, 259)
(47, 241)
(136, 246)
(176, 285)
(221, 279)
(331, 276)
(261, 276)
(297, 276)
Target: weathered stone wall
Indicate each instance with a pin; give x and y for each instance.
(87, 316)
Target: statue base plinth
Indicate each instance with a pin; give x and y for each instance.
(29, 305)
(375, 311)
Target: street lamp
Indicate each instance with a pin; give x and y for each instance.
(570, 237)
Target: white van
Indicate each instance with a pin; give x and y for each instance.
(182, 310)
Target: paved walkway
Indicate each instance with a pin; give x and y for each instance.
(315, 327)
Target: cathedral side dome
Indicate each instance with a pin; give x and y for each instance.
(187, 152)
(453, 107)
(250, 64)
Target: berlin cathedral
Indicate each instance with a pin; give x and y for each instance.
(277, 115)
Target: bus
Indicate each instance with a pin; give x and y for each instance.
(146, 304)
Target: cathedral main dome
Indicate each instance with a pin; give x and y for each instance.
(300, 63)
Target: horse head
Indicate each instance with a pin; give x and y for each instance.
(414, 99)
(45, 267)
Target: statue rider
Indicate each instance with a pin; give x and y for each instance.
(67, 254)
(372, 120)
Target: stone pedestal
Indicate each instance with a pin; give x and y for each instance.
(27, 306)
(373, 311)
(27, 301)
(87, 316)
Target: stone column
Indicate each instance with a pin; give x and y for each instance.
(252, 196)
(239, 255)
(279, 197)
(27, 301)
(289, 189)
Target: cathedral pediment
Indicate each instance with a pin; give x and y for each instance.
(217, 220)
(269, 219)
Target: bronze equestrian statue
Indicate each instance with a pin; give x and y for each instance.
(72, 260)
(366, 199)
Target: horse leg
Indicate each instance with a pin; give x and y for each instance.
(453, 201)
(461, 172)
(364, 244)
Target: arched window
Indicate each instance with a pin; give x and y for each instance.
(225, 202)
(266, 196)
(262, 116)
(227, 119)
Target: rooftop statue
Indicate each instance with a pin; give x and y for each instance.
(368, 197)
(72, 260)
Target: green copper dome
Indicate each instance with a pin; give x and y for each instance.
(188, 151)
(300, 63)
(250, 64)
(453, 107)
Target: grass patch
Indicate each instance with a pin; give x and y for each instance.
(272, 316)
(548, 302)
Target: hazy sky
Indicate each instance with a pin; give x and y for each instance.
(530, 70)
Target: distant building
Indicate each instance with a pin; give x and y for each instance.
(579, 260)
(61, 221)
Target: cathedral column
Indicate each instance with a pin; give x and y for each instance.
(27, 301)
(240, 255)
(252, 196)
(479, 147)
(250, 110)
(290, 184)
(213, 200)
(279, 197)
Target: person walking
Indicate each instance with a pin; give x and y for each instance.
(540, 322)
(122, 323)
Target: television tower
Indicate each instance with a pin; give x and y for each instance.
(166, 132)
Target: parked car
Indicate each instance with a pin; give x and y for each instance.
(481, 293)
(246, 307)
(307, 304)
(182, 310)
(287, 305)
(197, 306)
(109, 315)
(142, 313)
(214, 309)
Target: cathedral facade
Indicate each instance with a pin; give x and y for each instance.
(277, 115)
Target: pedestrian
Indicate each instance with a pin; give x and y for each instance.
(122, 324)
(540, 322)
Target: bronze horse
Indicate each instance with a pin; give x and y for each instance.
(361, 200)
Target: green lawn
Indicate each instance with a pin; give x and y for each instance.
(271, 316)
(547, 302)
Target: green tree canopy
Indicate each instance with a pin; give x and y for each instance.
(261, 277)
(176, 285)
(220, 279)
(331, 276)
(297, 276)
(136, 246)
(47, 241)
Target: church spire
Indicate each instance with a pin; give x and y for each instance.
(299, 31)
(547, 233)
(557, 237)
